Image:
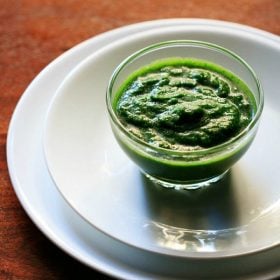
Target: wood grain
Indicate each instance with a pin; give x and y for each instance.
(32, 34)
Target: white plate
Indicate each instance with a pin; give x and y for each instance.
(102, 185)
(61, 224)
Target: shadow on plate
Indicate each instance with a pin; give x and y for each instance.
(212, 208)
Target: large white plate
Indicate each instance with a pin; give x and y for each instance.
(61, 224)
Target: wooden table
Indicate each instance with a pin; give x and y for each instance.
(32, 34)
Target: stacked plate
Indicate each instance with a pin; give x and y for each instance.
(89, 199)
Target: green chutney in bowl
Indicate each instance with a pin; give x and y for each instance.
(184, 111)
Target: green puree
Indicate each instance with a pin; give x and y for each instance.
(184, 104)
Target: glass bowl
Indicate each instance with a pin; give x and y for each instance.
(184, 169)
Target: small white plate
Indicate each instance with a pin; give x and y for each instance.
(62, 225)
(239, 216)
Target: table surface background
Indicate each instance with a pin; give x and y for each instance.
(32, 34)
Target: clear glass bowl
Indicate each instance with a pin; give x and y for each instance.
(185, 169)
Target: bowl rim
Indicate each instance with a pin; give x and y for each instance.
(200, 152)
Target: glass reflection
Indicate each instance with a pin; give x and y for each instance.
(192, 220)
(226, 215)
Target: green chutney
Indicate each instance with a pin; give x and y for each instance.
(184, 104)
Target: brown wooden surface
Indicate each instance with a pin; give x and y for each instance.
(32, 34)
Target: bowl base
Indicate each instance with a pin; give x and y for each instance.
(186, 185)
